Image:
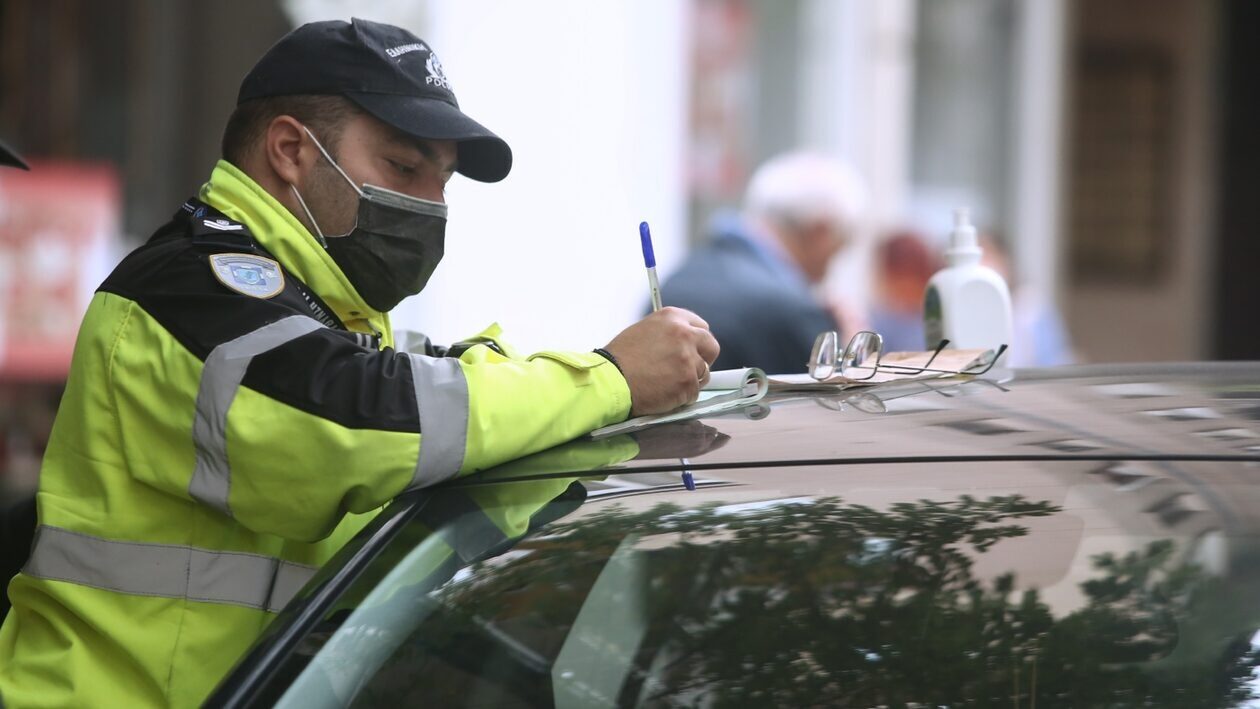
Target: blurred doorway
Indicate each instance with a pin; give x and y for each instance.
(1237, 298)
(1139, 201)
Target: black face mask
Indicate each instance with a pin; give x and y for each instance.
(396, 243)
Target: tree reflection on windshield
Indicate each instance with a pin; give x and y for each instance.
(815, 602)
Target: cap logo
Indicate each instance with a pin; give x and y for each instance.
(395, 52)
(436, 76)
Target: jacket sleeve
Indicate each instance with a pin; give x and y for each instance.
(295, 423)
(285, 424)
(416, 421)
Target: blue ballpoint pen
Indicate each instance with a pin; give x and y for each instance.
(649, 261)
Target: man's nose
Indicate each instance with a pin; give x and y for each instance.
(434, 192)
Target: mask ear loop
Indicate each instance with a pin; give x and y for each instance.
(319, 233)
(333, 162)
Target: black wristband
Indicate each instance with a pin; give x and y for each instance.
(608, 356)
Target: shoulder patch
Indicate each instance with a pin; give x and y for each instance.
(221, 224)
(249, 274)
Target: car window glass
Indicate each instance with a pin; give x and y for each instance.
(796, 601)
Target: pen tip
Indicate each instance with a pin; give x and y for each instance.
(643, 229)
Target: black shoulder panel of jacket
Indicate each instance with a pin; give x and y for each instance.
(331, 372)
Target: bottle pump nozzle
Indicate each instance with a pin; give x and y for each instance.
(963, 245)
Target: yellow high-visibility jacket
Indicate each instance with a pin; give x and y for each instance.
(234, 413)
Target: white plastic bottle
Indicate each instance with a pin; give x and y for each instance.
(965, 302)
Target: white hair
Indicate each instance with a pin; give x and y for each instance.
(801, 187)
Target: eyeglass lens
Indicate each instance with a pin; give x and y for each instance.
(863, 350)
(822, 360)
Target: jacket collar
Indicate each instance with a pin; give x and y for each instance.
(274, 227)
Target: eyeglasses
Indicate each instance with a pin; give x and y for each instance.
(862, 358)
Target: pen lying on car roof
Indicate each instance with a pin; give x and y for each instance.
(649, 261)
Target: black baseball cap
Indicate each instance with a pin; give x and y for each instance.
(10, 158)
(388, 72)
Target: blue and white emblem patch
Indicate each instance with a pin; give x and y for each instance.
(245, 273)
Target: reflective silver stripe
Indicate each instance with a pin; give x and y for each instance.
(166, 570)
(220, 378)
(442, 399)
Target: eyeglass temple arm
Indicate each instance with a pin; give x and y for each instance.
(940, 346)
(928, 387)
(875, 369)
(972, 372)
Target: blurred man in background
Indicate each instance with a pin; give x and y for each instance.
(756, 282)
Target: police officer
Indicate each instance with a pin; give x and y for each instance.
(236, 409)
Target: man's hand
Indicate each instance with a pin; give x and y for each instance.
(665, 358)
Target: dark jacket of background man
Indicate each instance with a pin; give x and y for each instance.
(756, 282)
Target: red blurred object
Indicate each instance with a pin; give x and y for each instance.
(59, 226)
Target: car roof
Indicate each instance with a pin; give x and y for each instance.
(1123, 453)
(1191, 411)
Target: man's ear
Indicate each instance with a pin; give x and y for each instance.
(286, 150)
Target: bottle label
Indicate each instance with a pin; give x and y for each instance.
(933, 328)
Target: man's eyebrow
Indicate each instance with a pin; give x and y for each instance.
(425, 149)
(428, 152)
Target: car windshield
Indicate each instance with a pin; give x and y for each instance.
(1071, 586)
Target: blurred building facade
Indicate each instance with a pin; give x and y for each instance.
(1110, 144)
(1085, 134)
